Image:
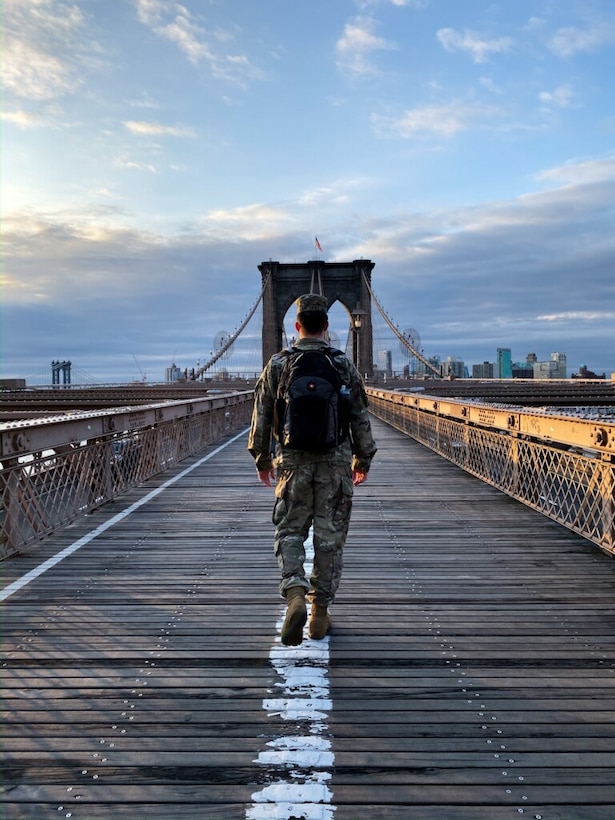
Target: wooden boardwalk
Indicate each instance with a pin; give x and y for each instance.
(470, 674)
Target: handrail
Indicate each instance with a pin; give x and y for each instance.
(55, 470)
(557, 463)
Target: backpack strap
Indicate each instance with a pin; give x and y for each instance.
(334, 353)
(289, 357)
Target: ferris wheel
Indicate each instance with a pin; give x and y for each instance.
(410, 343)
(221, 339)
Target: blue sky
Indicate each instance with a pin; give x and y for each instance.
(154, 153)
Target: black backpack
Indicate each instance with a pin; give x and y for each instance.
(312, 408)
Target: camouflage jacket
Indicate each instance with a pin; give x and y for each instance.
(359, 447)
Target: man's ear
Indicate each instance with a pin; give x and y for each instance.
(297, 327)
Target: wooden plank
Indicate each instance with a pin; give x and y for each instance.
(405, 766)
(588, 750)
(236, 811)
(193, 790)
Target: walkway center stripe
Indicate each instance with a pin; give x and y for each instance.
(303, 758)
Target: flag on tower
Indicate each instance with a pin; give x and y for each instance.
(317, 243)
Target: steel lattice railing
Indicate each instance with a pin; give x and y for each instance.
(561, 466)
(56, 470)
(52, 474)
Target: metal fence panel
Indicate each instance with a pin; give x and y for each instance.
(564, 480)
(46, 489)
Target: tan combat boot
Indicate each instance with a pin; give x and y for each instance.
(320, 622)
(296, 616)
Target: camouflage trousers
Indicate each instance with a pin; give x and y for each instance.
(318, 495)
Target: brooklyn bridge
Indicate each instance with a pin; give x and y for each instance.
(470, 672)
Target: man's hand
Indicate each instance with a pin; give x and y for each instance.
(266, 477)
(358, 477)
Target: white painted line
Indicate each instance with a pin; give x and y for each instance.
(304, 761)
(11, 589)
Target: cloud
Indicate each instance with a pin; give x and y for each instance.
(175, 23)
(44, 54)
(97, 291)
(581, 315)
(144, 102)
(31, 74)
(532, 273)
(156, 129)
(473, 44)
(151, 12)
(490, 85)
(22, 119)
(339, 192)
(414, 4)
(187, 37)
(561, 97)
(356, 45)
(248, 223)
(62, 238)
(571, 40)
(131, 164)
(443, 120)
(581, 172)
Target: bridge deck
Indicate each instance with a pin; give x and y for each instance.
(470, 674)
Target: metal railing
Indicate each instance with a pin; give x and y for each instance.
(57, 469)
(561, 465)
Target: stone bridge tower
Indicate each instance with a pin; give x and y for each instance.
(344, 282)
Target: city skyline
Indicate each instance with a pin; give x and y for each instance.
(558, 360)
(247, 361)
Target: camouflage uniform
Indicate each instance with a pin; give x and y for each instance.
(312, 488)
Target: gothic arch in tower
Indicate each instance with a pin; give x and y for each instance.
(344, 282)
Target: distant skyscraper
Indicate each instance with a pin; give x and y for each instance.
(483, 371)
(384, 360)
(561, 365)
(453, 367)
(434, 361)
(172, 374)
(546, 370)
(522, 370)
(504, 363)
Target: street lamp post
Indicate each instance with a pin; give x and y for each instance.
(357, 321)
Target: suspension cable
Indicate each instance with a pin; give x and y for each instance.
(417, 354)
(231, 339)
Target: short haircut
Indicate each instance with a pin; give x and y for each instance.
(312, 321)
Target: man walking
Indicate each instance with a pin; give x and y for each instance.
(314, 481)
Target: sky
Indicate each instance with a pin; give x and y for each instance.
(154, 153)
